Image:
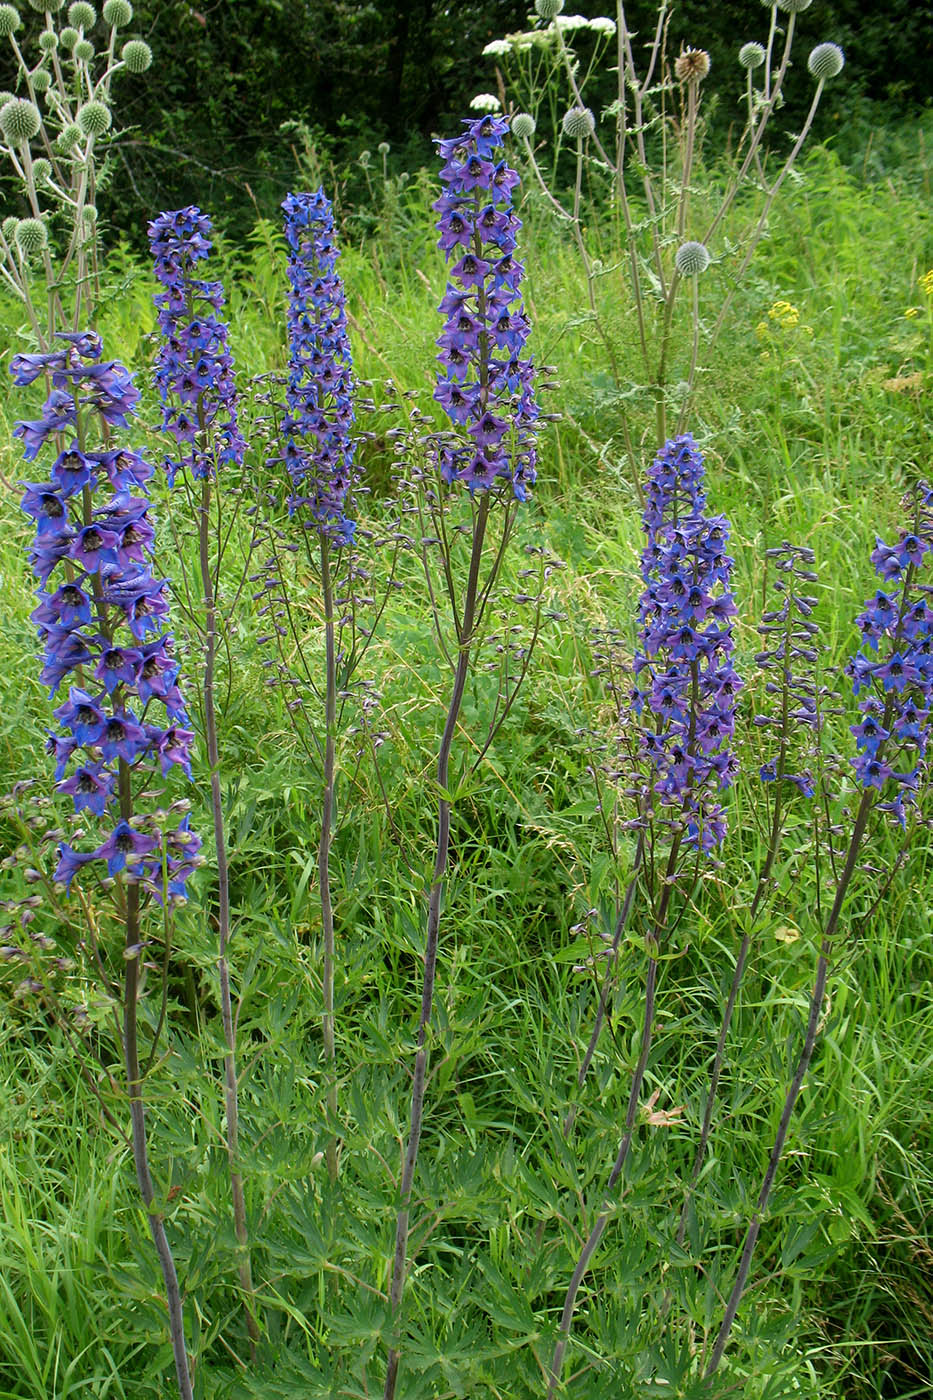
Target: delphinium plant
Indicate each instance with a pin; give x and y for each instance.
(486, 389)
(123, 726)
(680, 752)
(195, 378)
(54, 135)
(668, 214)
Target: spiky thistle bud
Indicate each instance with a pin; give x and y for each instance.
(41, 82)
(9, 227)
(31, 237)
(691, 66)
(579, 123)
(94, 118)
(826, 61)
(83, 51)
(383, 148)
(751, 55)
(9, 21)
(19, 121)
(523, 126)
(69, 137)
(41, 170)
(793, 7)
(82, 15)
(691, 259)
(365, 159)
(118, 13)
(549, 9)
(137, 56)
(68, 37)
(48, 41)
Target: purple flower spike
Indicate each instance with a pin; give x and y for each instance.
(485, 387)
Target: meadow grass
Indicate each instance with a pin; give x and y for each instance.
(806, 439)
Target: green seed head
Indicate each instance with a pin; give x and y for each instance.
(691, 259)
(19, 121)
(523, 126)
(82, 15)
(751, 55)
(579, 122)
(68, 37)
(41, 80)
(41, 170)
(365, 159)
(69, 137)
(48, 41)
(31, 237)
(826, 61)
(89, 215)
(137, 56)
(118, 13)
(84, 51)
(383, 148)
(9, 227)
(94, 118)
(9, 21)
(549, 9)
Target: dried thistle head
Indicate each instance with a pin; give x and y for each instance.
(691, 65)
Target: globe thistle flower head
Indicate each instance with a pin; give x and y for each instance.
(68, 37)
(194, 367)
(117, 13)
(523, 126)
(83, 51)
(691, 259)
(793, 7)
(31, 237)
(485, 386)
(19, 120)
(548, 9)
(691, 66)
(578, 123)
(48, 41)
(137, 55)
(93, 118)
(9, 21)
(100, 622)
(82, 15)
(826, 61)
(41, 81)
(319, 450)
(751, 55)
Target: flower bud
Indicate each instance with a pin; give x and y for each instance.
(48, 41)
(68, 37)
(89, 215)
(383, 148)
(19, 121)
(691, 66)
(137, 56)
(9, 21)
(118, 13)
(83, 51)
(82, 15)
(69, 137)
(365, 157)
(751, 55)
(93, 118)
(41, 82)
(9, 227)
(549, 9)
(523, 126)
(826, 61)
(579, 122)
(691, 259)
(793, 7)
(31, 237)
(41, 170)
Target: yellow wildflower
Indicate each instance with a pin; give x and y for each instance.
(785, 314)
(926, 282)
(912, 312)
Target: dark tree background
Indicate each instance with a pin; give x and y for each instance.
(205, 122)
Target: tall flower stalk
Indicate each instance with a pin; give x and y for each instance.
(319, 454)
(101, 629)
(894, 680)
(194, 376)
(486, 389)
(685, 693)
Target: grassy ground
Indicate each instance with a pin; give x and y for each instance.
(811, 432)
